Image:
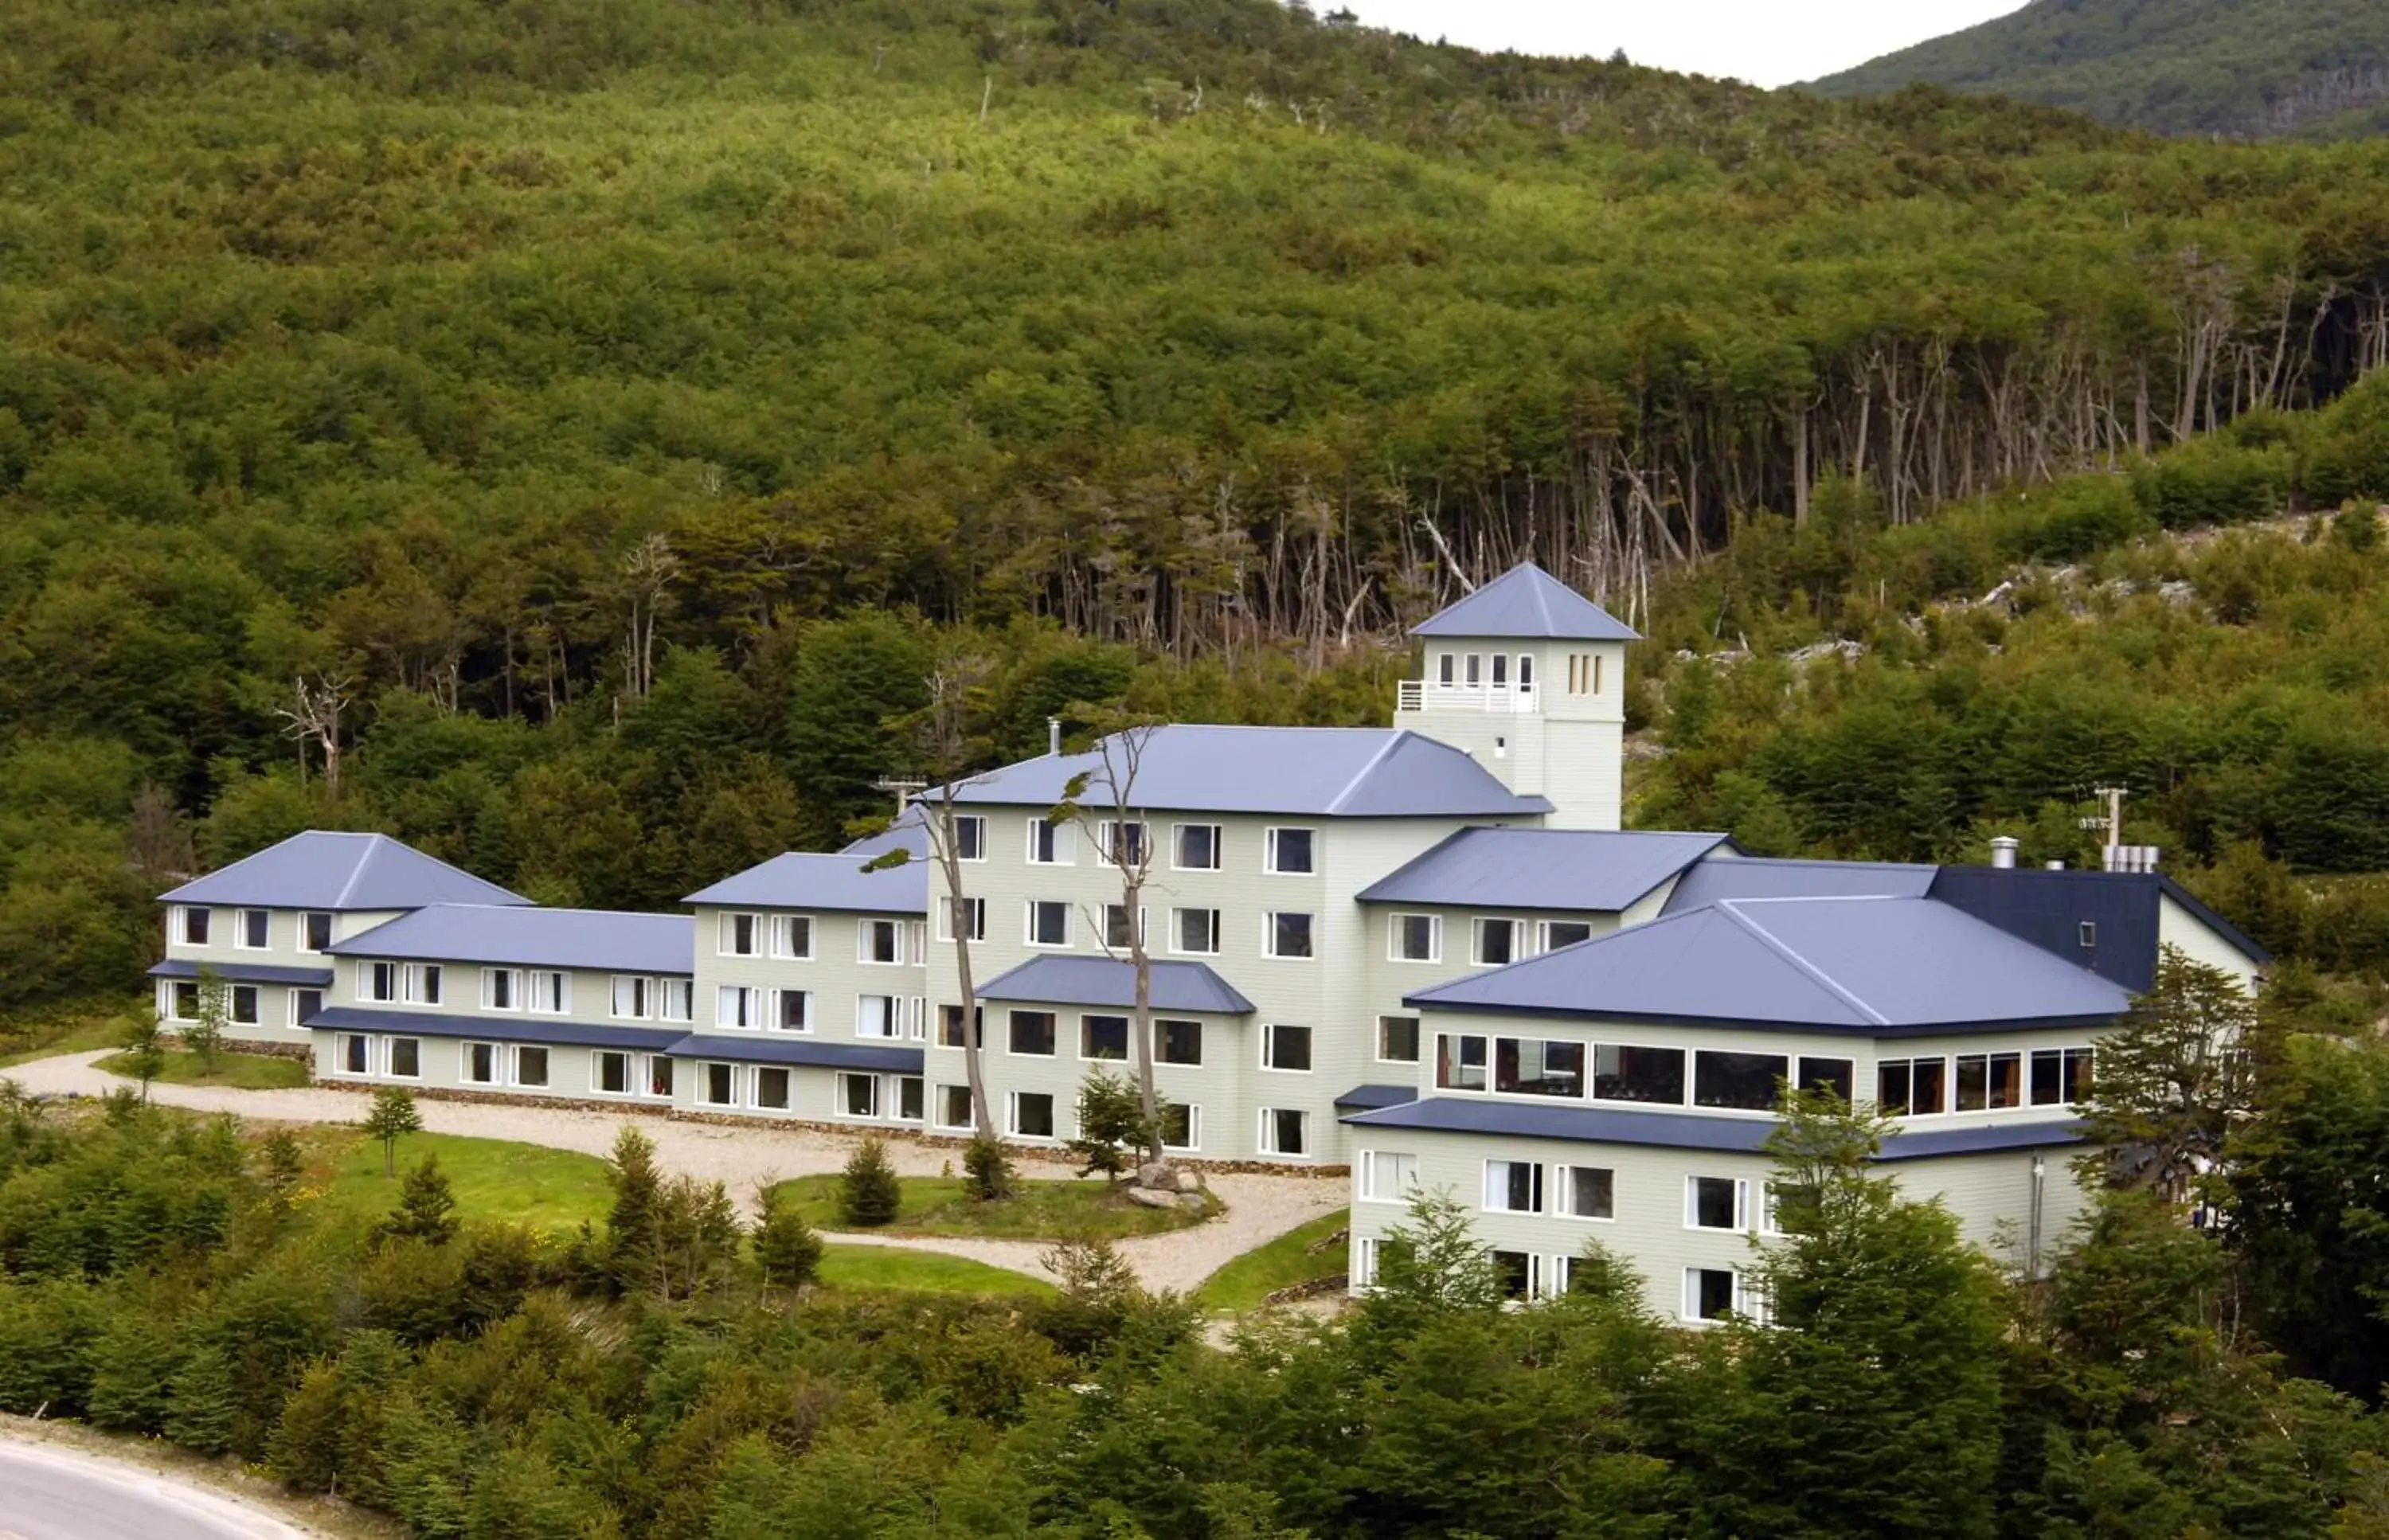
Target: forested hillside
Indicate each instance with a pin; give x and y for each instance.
(584, 429)
(2240, 69)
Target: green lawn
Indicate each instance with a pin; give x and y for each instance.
(1041, 1211)
(850, 1266)
(71, 1032)
(1282, 1262)
(492, 1179)
(247, 1072)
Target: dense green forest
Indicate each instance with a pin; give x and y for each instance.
(2243, 70)
(674, 1372)
(567, 438)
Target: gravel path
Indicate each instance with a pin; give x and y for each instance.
(1259, 1208)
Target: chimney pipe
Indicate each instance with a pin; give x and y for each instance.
(2003, 852)
(1053, 736)
(2057, 865)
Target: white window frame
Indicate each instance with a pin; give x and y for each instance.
(726, 933)
(976, 908)
(754, 1100)
(233, 995)
(647, 1062)
(331, 932)
(879, 1096)
(1011, 1115)
(1540, 1194)
(898, 1114)
(514, 978)
(1178, 931)
(1689, 1307)
(1107, 836)
(240, 941)
(1563, 1194)
(1193, 1128)
(749, 999)
(1394, 952)
(784, 928)
(1106, 915)
(389, 1056)
(1535, 1289)
(894, 1016)
(939, 1102)
(1218, 846)
(1063, 843)
(535, 982)
(775, 1008)
(870, 926)
(340, 1042)
(676, 992)
(1028, 924)
(1543, 935)
(1266, 1143)
(369, 977)
(1012, 1052)
(1476, 924)
(643, 998)
(1369, 1183)
(1364, 1247)
(630, 1066)
(700, 1093)
(425, 983)
(1268, 937)
(1692, 1205)
(1270, 866)
(1269, 1048)
(182, 913)
(1418, 1039)
(1201, 1037)
(975, 823)
(298, 1017)
(514, 1066)
(464, 1062)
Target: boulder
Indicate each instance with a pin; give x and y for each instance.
(1156, 1174)
(1189, 1182)
(1150, 1198)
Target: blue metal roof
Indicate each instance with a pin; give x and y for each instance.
(607, 940)
(1765, 877)
(803, 880)
(243, 972)
(1740, 1135)
(2123, 911)
(1111, 983)
(1575, 870)
(1527, 602)
(1299, 771)
(494, 1029)
(1874, 967)
(325, 869)
(797, 1051)
(1374, 1097)
(910, 832)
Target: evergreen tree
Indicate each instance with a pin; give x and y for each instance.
(2171, 1079)
(204, 1035)
(133, 1368)
(987, 1169)
(633, 1248)
(1111, 1126)
(145, 1049)
(869, 1192)
(204, 1402)
(391, 1118)
(285, 1165)
(787, 1249)
(427, 1208)
(1430, 1266)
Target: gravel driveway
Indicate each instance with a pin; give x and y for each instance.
(1259, 1208)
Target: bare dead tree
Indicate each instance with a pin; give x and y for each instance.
(157, 839)
(1103, 800)
(647, 574)
(314, 717)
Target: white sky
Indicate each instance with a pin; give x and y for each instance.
(1765, 42)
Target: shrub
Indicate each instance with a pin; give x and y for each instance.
(868, 1193)
(987, 1170)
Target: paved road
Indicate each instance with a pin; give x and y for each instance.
(49, 1492)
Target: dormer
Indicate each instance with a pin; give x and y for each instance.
(1529, 676)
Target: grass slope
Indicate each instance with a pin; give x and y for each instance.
(246, 1071)
(2315, 69)
(1042, 1211)
(1300, 1255)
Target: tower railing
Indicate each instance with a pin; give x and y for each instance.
(1430, 696)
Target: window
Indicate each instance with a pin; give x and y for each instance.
(879, 941)
(1501, 671)
(858, 1095)
(1555, 934)
(1526, 671)
(1745, 1081)
(735, 1005)
(970, 837)
(1588, 1192)
(878, 1016)
(1125, 842)
(1051, 843)
(1459, 1062)
(1909, 1087)
(1032, 1115)
(792, 1010)
(1365, 1248)
(1049, 922)
(2087, 935)
(1834, 1077)
(633, 998)
(531, 1066)
(377, 981)
(1398, 1039)
(1443, 671)
(678, 998)
(1032, 1033)
(314, 931)
(1497, 943)
(482, 1063)
(1584, 673)
(1284, 1131)
(1103, 1038)
(1474, 670)
(950, 1025)
(1285, 1048)
(718, 1087)
(659, 1074)
(1288, 936)
(1716, 1202)
(195, 925)
(183, 1003)
(770, 1087)
(954, 1107)
(1379, 1177)
(792, 936)
(2060, 1076)
(1513, 1187)
(550, 992)
(1195, 930)
(423, 984)
(1415, 938)
(1177, 1042)
(1532, 1066)
(501, 990)
(304, 1004)
(611, 1074)
(243, 1004)
(908, 1094)
(1117, 937)
(1988, 1081)
(356, 1054)
(252, 929)
(1194, 847)
(1710, 1293)
(1292, 852)
(973, 917)
(1652, 1075)
(1521, 1273)
(738, 934)
(1182, 1126)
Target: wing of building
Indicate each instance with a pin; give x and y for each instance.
(1426, 952)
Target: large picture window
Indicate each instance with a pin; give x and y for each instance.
(1744, 1081)
(1621, 1073)
(1908, 1088)
(1532, 1066)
